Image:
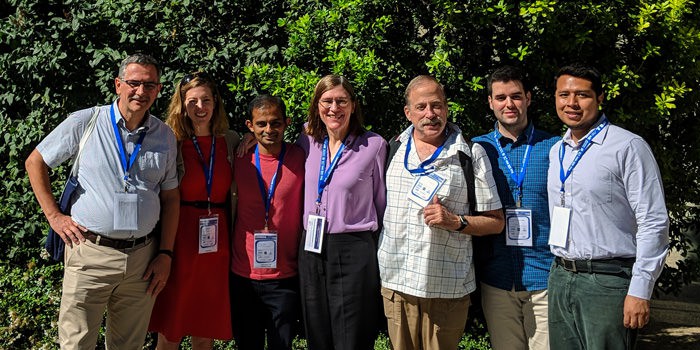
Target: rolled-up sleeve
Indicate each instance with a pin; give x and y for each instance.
(485, 186)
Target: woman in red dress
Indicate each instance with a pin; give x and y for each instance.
(195, 301)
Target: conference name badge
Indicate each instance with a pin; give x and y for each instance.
(208, 233)
(559, 229)
(315, 227)
(126, 211)
(265, 249)
(424, 188)
(519, 227)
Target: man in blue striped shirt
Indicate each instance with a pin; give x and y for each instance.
(514, 265)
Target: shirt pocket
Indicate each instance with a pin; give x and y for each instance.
(151, 166)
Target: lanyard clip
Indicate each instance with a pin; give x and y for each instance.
(563, 198)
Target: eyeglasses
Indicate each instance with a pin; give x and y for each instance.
(341, 102)
(147, 85)
(189, 77)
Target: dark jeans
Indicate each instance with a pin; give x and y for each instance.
(260, 306)
(341, 300)
(586, 310)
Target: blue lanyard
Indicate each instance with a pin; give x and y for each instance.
(421, 170)
(586, 145)
(520, 177)
(323, 173)
(267, 195)
(126, 166)
(208, 173)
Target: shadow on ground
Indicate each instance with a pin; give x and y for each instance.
(666, 336)
(675, 322)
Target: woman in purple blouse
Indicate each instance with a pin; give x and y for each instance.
(343, 207)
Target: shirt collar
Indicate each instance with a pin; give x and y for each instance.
(145, 123)
(523, 138)
(597, 139)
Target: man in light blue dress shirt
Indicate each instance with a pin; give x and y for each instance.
(609, 224)
(115, 258)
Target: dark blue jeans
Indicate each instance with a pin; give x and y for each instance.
(586, 311)
(264, 307)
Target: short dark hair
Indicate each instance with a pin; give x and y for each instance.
(505, 74)
(583, 71)
(139, 58)
(266, 100)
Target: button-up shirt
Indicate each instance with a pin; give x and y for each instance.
(354, 198)
(423, 261)
(522, 268)
(100, 172)
(617, 203)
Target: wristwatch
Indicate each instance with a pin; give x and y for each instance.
(463, 223)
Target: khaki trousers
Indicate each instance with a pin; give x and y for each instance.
(516, 320)
(95, 278)
(424, 323)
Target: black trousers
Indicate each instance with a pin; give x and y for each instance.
(264, 307)
(341, 299)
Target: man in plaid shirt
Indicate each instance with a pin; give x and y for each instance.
(425, 248)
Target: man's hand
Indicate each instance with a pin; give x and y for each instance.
(38, 172)
(68, 229)
(436, 215)
(158, 271)
(636, 312)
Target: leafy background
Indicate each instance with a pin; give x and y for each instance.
(60, 56)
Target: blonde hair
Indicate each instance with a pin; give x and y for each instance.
(177, 114)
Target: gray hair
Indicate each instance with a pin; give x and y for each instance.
(139, 58)
(420, 80)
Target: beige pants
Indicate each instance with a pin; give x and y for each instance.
(96, 278)
(424, 323)
(516, 320)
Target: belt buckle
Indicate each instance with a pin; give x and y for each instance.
(138, 241)
(570, 265)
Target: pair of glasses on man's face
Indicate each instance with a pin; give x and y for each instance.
(328, 103)
(189, 77)
(147, 85)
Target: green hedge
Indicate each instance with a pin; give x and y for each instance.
(60, 56)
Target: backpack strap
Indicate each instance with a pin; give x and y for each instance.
(394, 145)
(468, 170)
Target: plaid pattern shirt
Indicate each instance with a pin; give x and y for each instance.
(423, 261)
(522, 268)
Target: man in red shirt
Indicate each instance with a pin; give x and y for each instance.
(264, 282)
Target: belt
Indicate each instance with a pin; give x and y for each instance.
(203, 204)
(117, 243)
(604, 266)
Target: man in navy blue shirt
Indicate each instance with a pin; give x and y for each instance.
(514, 265)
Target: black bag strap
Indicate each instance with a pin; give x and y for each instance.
(468, 171)
(394, 145)
(464, 160)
